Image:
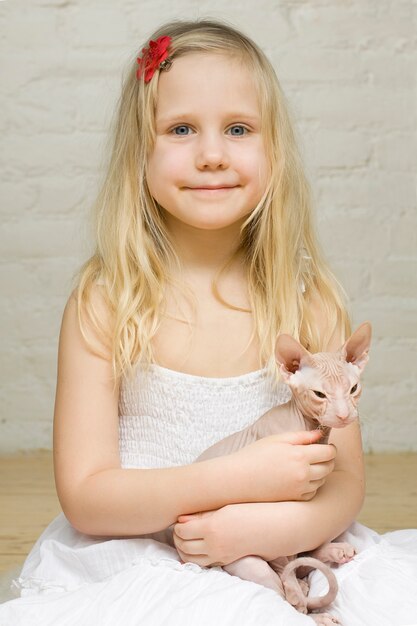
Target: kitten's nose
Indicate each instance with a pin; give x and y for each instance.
(342, 418)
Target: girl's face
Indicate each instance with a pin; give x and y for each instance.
(208, 167)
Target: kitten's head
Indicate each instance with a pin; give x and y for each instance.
(326, 386)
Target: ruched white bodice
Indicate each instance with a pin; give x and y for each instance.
(169, 418)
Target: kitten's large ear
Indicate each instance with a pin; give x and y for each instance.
(289, 354)
(355, 349)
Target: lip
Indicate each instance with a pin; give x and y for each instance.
(214, 188)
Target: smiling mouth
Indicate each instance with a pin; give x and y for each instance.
(211, 189)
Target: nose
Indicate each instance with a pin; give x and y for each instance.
(343, 417)
(212, 152)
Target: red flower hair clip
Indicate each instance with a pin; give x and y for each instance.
(154, 57)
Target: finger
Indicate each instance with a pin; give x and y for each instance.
(316, 484)
(321, 470)
(194, 548)
(320, 453)
(308, 496)
(200, 559)
(178, 530)
(186, 531)
(312, 489)
(184, 557)
(313, 486)
(301, 437)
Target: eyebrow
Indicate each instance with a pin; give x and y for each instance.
(233, 114)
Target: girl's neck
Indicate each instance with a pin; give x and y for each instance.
(203, 251)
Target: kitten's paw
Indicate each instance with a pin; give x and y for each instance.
(335, 553)
(324, 619)
(342, 552)
(304, 586)
(294, 595)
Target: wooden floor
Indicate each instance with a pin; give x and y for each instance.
(28, 501)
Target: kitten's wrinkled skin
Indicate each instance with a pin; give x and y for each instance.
(325, 391)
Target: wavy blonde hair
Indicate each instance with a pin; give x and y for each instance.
(285, 266)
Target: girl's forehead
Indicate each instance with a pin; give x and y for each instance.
(201, 81)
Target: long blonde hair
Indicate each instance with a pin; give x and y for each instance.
(283, 260)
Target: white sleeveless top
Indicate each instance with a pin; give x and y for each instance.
(169, 418)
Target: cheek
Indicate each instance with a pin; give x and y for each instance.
(152, 172)
(312, 405)
(254, 168)
(165, 165)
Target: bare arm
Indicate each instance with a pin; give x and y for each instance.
(98, 496)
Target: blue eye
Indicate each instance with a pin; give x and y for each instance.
(239, 128)
(181, 128)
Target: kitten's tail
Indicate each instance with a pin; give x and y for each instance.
(289, 579)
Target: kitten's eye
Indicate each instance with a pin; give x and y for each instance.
(354, 388)
(320, 394)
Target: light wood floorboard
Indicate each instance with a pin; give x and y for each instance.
(28, 501)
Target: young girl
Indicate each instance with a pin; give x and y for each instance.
(205, 252)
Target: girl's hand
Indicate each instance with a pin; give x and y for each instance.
(289, 466)
(208, 538)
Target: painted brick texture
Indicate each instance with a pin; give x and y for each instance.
(348, 70)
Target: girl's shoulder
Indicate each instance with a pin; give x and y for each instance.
(89, 313)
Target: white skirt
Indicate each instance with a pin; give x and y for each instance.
(72, 579)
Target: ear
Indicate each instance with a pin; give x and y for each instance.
(355, 349)
(289, 354)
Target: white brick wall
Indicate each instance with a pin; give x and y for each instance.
(348, 69)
